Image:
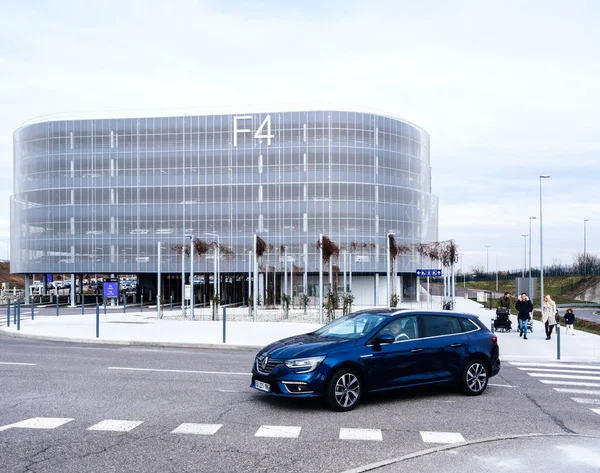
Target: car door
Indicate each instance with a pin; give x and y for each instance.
(444, 347)
(395, 364)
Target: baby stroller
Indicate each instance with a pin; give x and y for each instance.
(502, 322)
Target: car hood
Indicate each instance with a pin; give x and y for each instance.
(305, 345)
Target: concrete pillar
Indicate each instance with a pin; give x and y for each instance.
(27, 298)
(44, 284)
(72, 290)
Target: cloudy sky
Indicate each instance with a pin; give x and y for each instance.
(507, 90)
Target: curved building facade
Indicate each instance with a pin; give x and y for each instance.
(97, 196)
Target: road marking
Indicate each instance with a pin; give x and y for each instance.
(597, 411)
(551, 370)
(197, 429)
(582, 400)
(178, 371)
(20, 364)
(557, 365)
(116, 425)
(501, 385)
(570, 383)
(280, 431)
(442, 437)
(361, 434)
(563, 376)
(578, 391)
(38, 423)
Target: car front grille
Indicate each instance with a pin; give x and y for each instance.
(271, 363)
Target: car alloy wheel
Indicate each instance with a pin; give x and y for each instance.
(475, 377)
(344, 390)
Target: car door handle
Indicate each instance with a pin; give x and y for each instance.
(456, 345)
(416, 350)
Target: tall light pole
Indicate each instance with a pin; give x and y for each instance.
(158, 285)
(388, 269)
(217, 276)
(530, 281)
(542, 177)
(191, 237)
(524, 253)
(584, 247)
(487, 258)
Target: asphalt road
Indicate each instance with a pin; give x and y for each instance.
(159, 390)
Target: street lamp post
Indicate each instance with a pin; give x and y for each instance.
(388, 269)
(487, 258)
(541, 247)
(191, 237)
(530, 281)
(584, 247)
(217, 276)
(524, 253)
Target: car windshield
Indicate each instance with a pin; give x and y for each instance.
(352, 325)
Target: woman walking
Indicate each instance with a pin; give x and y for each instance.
(524, 308)
(549, 315)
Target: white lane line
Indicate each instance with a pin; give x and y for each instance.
(442, 437)
(582, 400)
(501, 385)
(564, 376)
(361, 434)
(577, 391)
(279, 431)
(570, 383)
(552, 370)
(116, 425)
(38, 423)
(19, 364)
(597, 411)
(197, 429)
(557, 365)
(178, 371)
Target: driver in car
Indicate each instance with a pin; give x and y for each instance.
(395, 328)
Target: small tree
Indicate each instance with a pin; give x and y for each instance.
(286, 301)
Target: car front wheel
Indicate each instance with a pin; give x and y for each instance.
(344, 390)
(474, 378)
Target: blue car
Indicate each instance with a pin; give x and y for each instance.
(377, 350)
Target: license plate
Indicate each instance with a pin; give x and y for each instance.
(262, 386)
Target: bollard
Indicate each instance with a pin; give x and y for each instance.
(171, 303)
(15, 313)
(97, 319)
(558, 341)
(124, 303)
(492, 325)
(82, 304)
(224, 321)
(32, 306)
(8, 313)
(104, 300)
(57, 305)
(18, 311)
(142, 303)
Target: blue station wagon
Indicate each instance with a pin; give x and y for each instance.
(377, 350)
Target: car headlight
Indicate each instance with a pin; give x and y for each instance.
(306, 365)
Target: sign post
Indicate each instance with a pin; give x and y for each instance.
(110, 290)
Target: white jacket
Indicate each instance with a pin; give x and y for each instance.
(548, 313)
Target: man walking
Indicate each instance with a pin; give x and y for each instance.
(524, 308)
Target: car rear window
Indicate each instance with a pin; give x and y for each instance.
(468, 325)
(437, 325)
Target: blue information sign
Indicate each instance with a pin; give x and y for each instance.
(111, 290)
(434, 273)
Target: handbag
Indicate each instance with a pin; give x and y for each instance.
(557, 317)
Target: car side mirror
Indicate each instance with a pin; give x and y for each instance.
(385, 338)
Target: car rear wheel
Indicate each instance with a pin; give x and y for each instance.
(474, 378)
(344, 390)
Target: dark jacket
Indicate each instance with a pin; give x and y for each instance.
(569, 318)
(524, 308)
(504, 301)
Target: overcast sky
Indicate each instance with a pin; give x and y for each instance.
(507, 90)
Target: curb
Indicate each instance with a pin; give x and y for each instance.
(429, 451)
(135, 343)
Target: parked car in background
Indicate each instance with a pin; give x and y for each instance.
(377, 350)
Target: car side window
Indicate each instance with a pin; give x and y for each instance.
(403, 328)
(437, 325)
(468, 325)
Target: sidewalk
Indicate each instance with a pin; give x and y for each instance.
(143, 328)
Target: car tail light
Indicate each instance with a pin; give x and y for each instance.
(495, 340)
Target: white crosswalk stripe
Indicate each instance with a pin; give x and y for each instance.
(197, 429)
(360, 434)
(564, 376)
(116, 425)
(278, 431)
(555, 370)
(442, 437)
(38, 423)
(556, 365)
(578, 391)
(597, 411)
(570, 383)
(583, 400)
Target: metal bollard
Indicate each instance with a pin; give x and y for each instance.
(18, 314)
(32, 306)
(124, 303)
(97, 319)
(82, 304)
(104, 300)
(171, 303)
(15, 312)
(57, 305)
(8, 313)
(142, 303)
(492, 325)
(558, 341)
(224, 322)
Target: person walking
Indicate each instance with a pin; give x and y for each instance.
(549, 315)
(504, 302)
(569, 321)
(524, 308)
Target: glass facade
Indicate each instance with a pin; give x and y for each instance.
(96, 196)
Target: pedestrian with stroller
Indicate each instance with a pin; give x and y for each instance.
(569, 321)
(504, 302)
(524, 308)
(549, 315)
